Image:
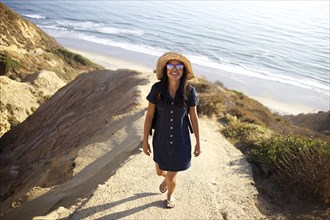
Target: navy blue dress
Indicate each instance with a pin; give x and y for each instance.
(171, 140)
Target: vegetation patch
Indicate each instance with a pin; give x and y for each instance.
(7, 64)
(296, 161)
(11, 15)
(272, 153)
(244, 135)
(71, 58)
(295, 157)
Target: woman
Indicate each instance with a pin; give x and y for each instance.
(173, 100)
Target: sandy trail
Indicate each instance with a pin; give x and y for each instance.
(219, 185)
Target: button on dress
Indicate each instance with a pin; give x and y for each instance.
(171, 140)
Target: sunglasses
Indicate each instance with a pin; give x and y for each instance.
(178, 66)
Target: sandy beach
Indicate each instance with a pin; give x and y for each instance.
(278, 97)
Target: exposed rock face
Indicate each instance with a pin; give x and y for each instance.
(19, 100)
(43, 150)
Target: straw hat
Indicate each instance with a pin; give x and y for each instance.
(162, 61)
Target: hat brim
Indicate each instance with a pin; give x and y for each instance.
(163, 60)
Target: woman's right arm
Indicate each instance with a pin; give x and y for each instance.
(147, 127)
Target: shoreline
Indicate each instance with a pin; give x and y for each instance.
(278, 97)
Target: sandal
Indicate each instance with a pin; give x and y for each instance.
(161, 188)
(170, 204)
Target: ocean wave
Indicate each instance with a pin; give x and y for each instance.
(261, 74)
(53, 28)
(202, 60)
(97, 27)
(35, 16)
(124, 45)
(112, 30)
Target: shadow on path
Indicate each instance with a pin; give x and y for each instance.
(100, 208)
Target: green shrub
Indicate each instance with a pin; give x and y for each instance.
(294, 156)
(209, 104)
(7, 64)
(306, 170)
(72, 58)
(240, 95)
(303, 164)
(202, 85)
(244, 134)
(12, 16)
(268, 153)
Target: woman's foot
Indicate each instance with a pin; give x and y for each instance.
(163, 187)
(170, 203)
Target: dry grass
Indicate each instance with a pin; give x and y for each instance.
(216, 100)
(307, 171)
(295, 154)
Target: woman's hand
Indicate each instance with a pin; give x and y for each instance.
(146, 148)
(197, 150)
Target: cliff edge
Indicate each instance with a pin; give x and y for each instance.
(33, 66)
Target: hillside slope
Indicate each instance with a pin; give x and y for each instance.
(33, 66)
(26, 49)
(75, 143)
(319, 122)
(45, 149)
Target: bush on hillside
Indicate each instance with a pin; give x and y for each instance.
(11, 15)
(296, 156)
(202, 85)
(72, 58)
(7, 64)
(216, 100)
(268, 153)
(307, 171)
(298, 162)
(244, 134)
(209, 105)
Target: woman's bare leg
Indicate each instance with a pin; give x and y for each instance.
(171, 184)
(159, 171)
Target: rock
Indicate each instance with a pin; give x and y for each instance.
(21, 99)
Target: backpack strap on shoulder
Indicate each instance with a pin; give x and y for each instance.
(153, 124)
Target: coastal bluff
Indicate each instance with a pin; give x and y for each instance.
(66, 134)
(33, 66)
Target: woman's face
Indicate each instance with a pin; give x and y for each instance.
(174, 69)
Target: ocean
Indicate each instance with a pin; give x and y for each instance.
(281, 43)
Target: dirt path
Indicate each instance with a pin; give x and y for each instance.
(219, 185)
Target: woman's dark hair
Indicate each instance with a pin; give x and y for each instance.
(180, 96)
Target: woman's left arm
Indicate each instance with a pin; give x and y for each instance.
(195, 125)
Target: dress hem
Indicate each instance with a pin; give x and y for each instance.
(173, 169)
